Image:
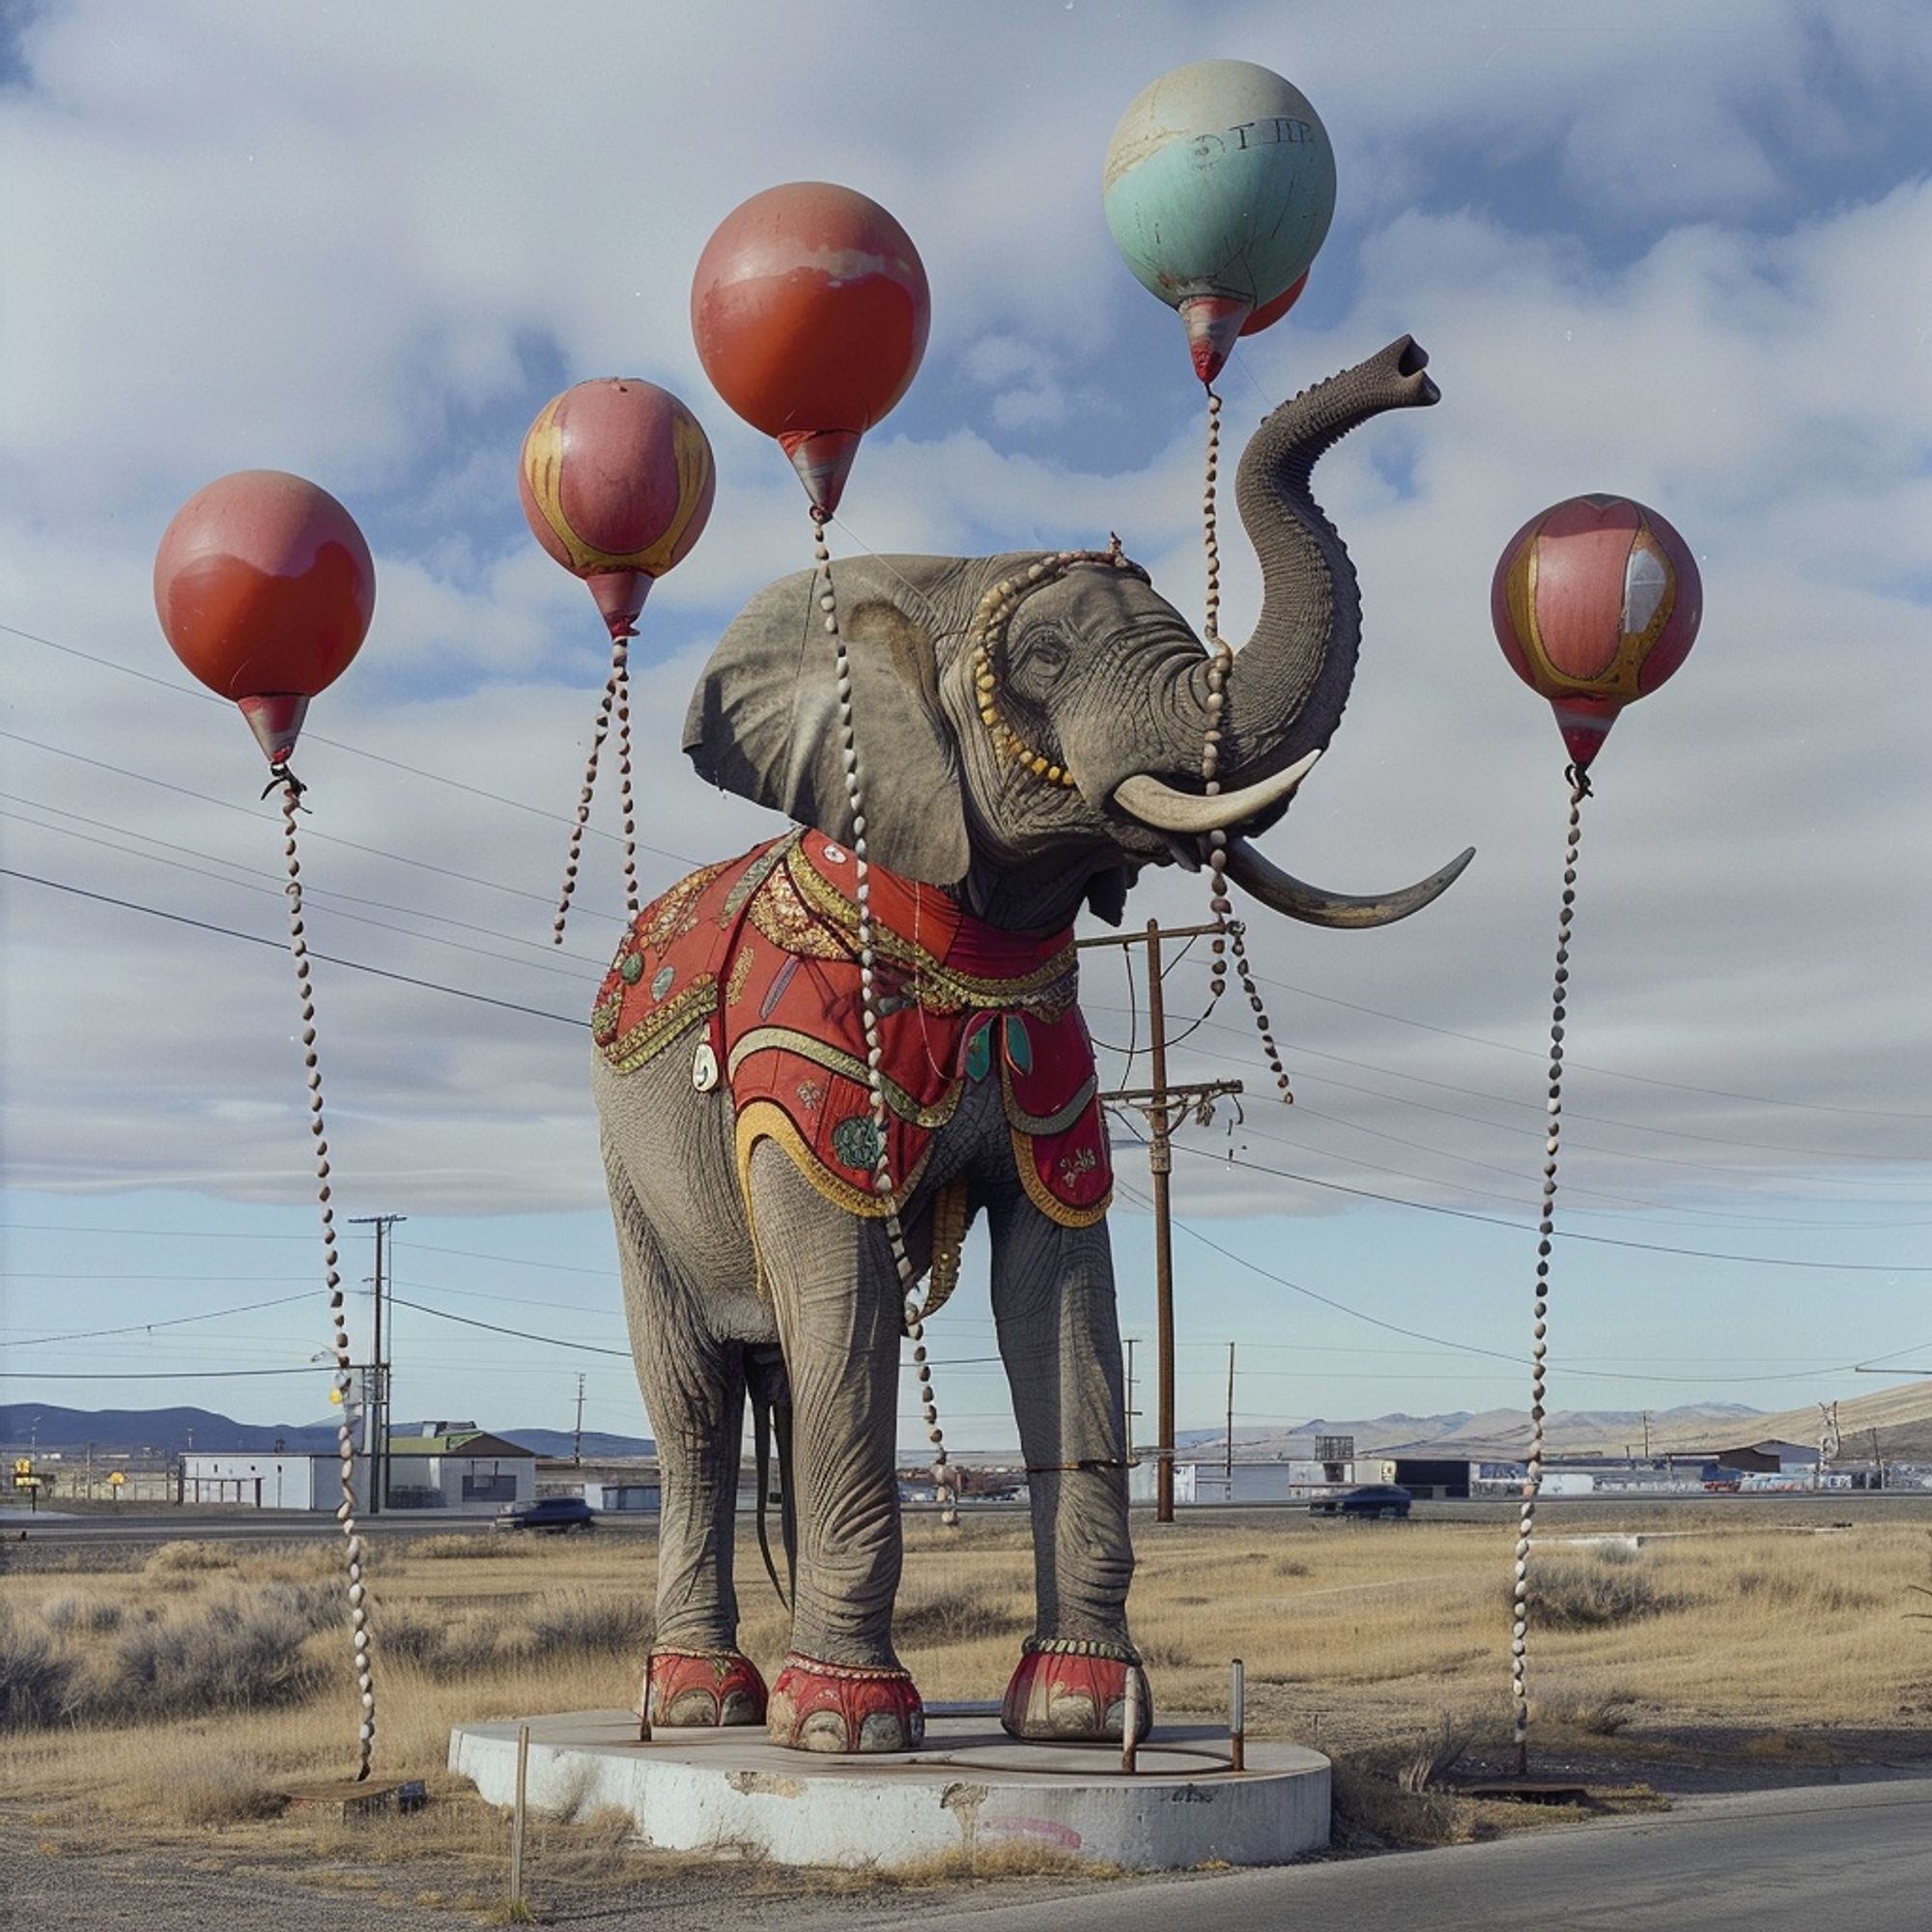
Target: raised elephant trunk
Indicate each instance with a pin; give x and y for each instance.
(1288, 687)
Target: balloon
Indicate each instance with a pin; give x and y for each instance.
(1271, 313)
(617, 483)
(810, 310)
(264, 588)
(1596, 601)
(1218, 190)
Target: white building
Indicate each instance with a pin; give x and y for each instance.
(458, 1468)
(1212, 1482)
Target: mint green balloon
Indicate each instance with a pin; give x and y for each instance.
(1219, 182)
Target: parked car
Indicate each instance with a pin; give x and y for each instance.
(1373, 1499)
(555, 1514)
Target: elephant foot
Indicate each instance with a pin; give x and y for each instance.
(842, 1707)
(1073, 1691)
(704, 1690)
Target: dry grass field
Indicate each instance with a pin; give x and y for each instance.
(188, 1689)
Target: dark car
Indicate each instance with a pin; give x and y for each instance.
(553, 1513)
(1376, 1500)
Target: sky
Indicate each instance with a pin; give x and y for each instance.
(1680, 254)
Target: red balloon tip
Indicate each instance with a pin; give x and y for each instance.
(275, 717)
(1213, 323)
(823, 460)
(1584, 723)
(620, 595)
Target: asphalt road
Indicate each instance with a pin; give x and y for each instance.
(1771, 1862)
(150, 1526)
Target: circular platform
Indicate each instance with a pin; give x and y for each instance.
(732, 1794)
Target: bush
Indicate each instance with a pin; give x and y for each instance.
(87, 1616)
(36, 1678)
(1593, 1595)
(574, 1620)
(240, 1654)
(432, 1646)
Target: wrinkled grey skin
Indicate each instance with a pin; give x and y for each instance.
(1103, 675)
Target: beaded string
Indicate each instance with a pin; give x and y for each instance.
(616, 697)
(577, 831)
(1231, 938)
(1580, 790)
(620, 676)
(912, 1309)
(345, 1435)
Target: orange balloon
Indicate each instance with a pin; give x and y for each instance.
(1271, 312)
(265, 589)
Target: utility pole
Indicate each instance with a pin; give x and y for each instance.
(1646, 1436)
(1159, 1103)
(577, 1446)
(379, 1455)
(1133, 1341)
(1231, 1422)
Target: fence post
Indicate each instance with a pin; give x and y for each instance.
(516, 1819)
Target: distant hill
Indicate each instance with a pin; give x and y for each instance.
(1578, 1431)
(1901, 1417)
(168, 1432)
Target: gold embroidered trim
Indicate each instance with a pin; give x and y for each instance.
(656, 1029)
(756, 874)
(1048, 1124)
(837, 1060)
(766, 1120)
(1048, 990)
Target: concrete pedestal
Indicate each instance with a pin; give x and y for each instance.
(731, 1794)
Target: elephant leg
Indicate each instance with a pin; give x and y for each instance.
(693, 1388)
(836, 1297)
(1053, 1304)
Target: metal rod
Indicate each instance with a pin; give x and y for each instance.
(1130, 1723)
(1160, 1162)
(1237, 1716)
(516, 1816)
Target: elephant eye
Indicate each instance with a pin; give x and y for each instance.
(1044, 654)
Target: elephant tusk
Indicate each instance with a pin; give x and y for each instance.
(1260, 876)
(1166, 809)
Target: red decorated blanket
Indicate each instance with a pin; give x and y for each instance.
(764, 952)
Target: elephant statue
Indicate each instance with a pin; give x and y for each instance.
(1029, 734)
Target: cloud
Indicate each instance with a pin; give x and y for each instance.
(358, 244)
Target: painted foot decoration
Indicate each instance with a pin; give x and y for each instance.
(840, 1707)
(704, 1690)
(1071, 1690)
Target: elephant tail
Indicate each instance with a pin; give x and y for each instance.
(770, 1421)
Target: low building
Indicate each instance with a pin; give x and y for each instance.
(1214, 1482)
(459, 1471)
(464, 1468)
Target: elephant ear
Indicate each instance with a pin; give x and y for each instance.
(764, 719)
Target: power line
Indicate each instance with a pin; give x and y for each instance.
(1615, 1073)
(590, 978)
(140, 1328)
(538, 946)
(521, 1334)
(1304, 1050)
(1562, 1235)
(336, 744)
(310, 832)
(255, 939)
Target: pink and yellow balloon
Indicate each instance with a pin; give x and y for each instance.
(616, 482)
(1596, 602)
